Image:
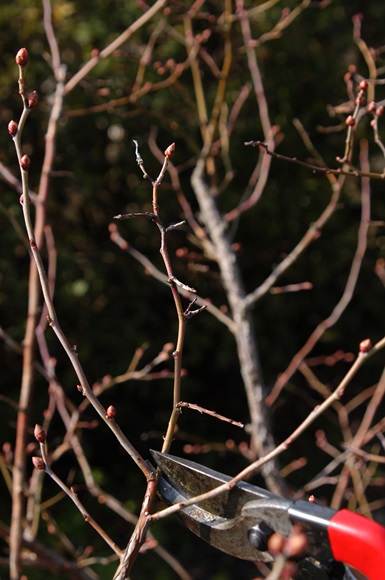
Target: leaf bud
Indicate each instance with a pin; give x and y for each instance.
(276, 544)
(170, 150)
(32, 99)
(38, 463)
(25, 162)
(12, 128)
(22, 57)
(111, 412)
(296, 544)
(372, 107)
(365, 345)
(380, 111)
(39, 433)
(363, 86)
(350, 121)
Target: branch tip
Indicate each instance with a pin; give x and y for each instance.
(365, 345)
(39, 433)
(38, 463)
(22, 57)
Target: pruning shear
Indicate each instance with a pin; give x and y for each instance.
(241, 520)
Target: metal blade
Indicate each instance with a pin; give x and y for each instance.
(191, 479)
(224, 521)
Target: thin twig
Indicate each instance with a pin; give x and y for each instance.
(345, 299)
(316, 168)
(73, 496)
(151, 269)
(200, 409)
(108, 50)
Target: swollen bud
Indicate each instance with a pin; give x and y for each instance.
(363, 86)
(365, 345)
(39, 433)
(372, 107)
(32, 99)
(111, 412)
(380, 111)
(25, 162)
(276, 544)
(22, 57)
(296, 544)
(38, 463)
(350, 121)
(12, 128)
(170, 150)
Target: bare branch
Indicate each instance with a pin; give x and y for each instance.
(108, 50)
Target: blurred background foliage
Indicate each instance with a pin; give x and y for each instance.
(109, 307)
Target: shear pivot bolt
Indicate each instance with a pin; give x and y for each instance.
(259, 536)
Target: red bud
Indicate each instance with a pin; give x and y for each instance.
(111, 412)
(12, 128)
(365, 345)
(38, 463)
(25, 162)
(22, 57)
(276, 544)
(380, 111)
(170, 150)
(296, 544)
(32, 99)
(372, 107)
(350, 121)
(363, 86)
(39, 433)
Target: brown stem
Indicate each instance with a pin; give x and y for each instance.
(73, 496)
(139, 535)
(38, 274)
(22, 426)
(32, 318)
(174, 283)
(177, 354)
(353, 172)
(346, 295)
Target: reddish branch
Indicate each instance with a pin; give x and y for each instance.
(347, 295)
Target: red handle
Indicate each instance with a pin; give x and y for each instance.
(360, 542)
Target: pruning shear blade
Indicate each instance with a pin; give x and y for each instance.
(225, 521)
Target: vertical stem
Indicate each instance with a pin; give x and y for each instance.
(177, 354)
(22, 423)
(19, 465)
(19, 471)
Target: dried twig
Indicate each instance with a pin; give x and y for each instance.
(200, 409)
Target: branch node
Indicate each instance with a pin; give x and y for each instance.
(173, 280)
(188, 313)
